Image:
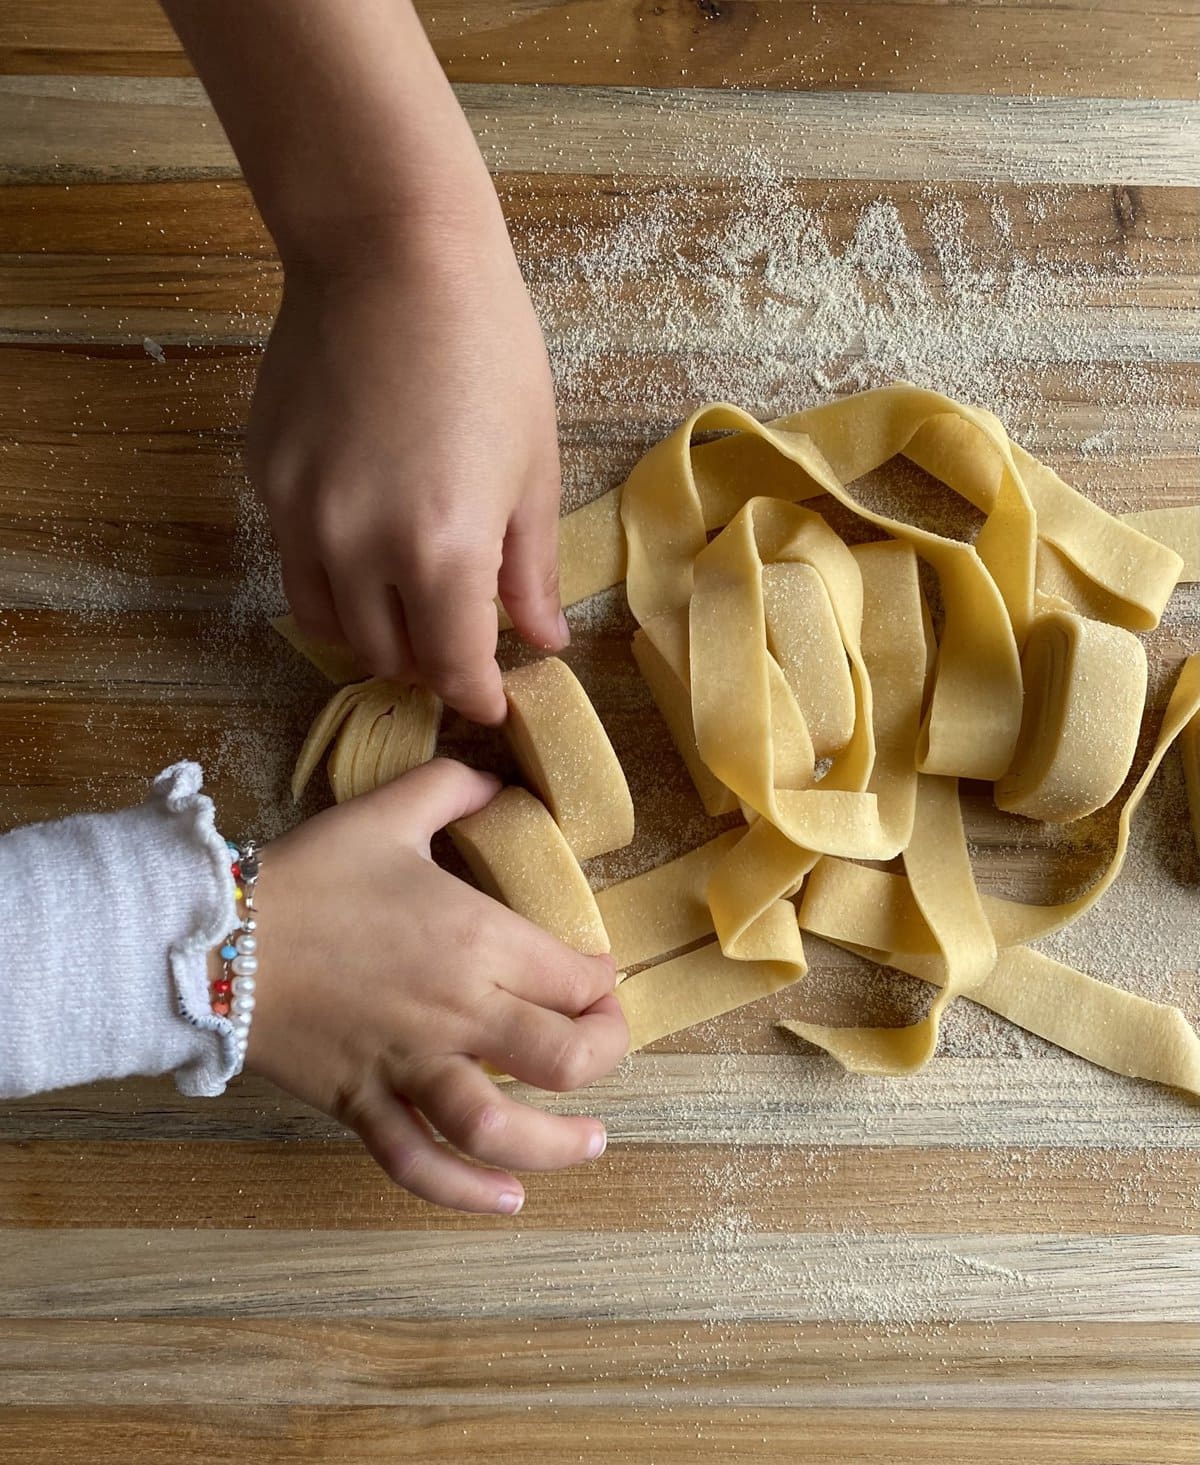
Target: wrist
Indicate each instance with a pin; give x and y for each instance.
(391, 241)
(447, 253)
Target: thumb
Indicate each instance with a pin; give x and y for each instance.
(436, 794)
(528, 581)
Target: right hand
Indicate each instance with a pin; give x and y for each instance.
(384, 981)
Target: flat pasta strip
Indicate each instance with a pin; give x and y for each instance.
(335, 662)
(660, 649)
(1178, 530)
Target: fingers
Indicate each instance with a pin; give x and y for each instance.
(306, 586)
(373, 620)
(399, 1142)
(463, 1104)
(540, 969)
(452, 627)
(552, 1051)
(529, 572)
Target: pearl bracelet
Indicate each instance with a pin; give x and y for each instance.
(233, 991)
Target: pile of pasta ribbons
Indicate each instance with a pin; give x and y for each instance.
(804, 684)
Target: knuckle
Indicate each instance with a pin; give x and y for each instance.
(349, 1107)
(457, 546)
(332, 528)
(564, 974)
(569, 1067)
(404, 1166)
(478, 1127)
(387, 663)
(468, 933)
(571, 987)
(454, 683)
(542, 585)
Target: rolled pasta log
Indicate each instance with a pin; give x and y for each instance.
(564, 752)
(1085, 687)
(518, 854)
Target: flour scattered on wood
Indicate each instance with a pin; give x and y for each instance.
(672, 295)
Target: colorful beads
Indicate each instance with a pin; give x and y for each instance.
(233, 992)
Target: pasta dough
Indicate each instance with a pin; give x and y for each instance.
(564, 752)
(378, 730)
(518, 854)
(803, 683)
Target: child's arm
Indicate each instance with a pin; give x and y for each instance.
(403, 431)
(382, 979)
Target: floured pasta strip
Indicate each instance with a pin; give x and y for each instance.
(803, 684)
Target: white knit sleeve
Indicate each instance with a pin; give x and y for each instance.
(107, 920)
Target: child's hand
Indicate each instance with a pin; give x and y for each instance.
(403, 438)
(384, 979)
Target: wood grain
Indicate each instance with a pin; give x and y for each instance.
(155, 1184)
(591, 1436)
(84, 128)
(180, 432)
(66, 299)
(1151, 229)
(706, 1273)
(544, 1363)
(1099, 50)
(743, 1099)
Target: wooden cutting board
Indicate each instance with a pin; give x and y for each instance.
(993, 1261)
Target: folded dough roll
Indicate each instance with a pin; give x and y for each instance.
(518, 854)
(378, 729)
(564, 752)
(1085, 689)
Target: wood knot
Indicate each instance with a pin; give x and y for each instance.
(1127, 209)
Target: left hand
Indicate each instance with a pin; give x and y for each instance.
(403, 437)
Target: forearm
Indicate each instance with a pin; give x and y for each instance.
(345, 126)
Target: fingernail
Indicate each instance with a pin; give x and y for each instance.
(510, 1202)
(597, 1144)
(564, 631)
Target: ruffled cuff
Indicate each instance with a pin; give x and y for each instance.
(213, 917)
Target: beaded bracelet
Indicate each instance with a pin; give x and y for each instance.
(233, 990)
